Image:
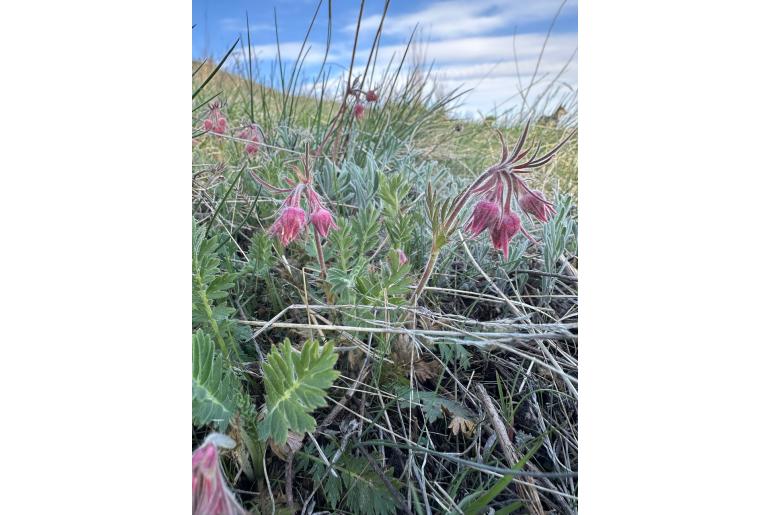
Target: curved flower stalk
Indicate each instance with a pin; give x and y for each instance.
(211, 494)
(216, 121)
(494, 192)
(293, 218)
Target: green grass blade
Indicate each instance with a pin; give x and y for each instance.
(214, 72)
(224, 199)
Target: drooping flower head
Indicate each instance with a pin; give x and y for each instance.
(210, 492)
(501, 234)
(372, 96)
(534, 203)
(291, 218)
(485, 215)
(322, 221)
(288, 225)
(498, 186)
(253, 134)
(358, 111)
(320, 217)
(216, 121)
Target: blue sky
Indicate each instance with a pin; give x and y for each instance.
(469, 42)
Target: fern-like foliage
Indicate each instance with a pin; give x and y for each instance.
(215, 387)
(432, 404)
(557, 234)
(210, 286)
(393, 281)
(295, 385)
(357, 486)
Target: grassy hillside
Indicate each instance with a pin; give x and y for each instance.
(388, 361)
(461, 145)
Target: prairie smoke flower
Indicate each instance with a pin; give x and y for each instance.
(216, 122)
(291, 220)
(497, 185)
(320, 217)
(501, 234)
(402, 259)
(486, 215)
(535, 204)
(253, 134)
(211, 495)
(322, 221)
(358, 111)
(372, 96)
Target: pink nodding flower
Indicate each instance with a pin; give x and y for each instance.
(216, 122)
(291, 220)
(534, 203)
(358, 111)
(211, 495)
(486, 215)
(372, 96)
(402, 259)
(501, 234)
(322, 221)
(254, 137)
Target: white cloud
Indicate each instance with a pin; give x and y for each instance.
(289, 52)
(457, 18)
(239, 25)
(486, 65)
(474, 49)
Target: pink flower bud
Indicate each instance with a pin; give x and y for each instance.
(254, 136)
(534, 203)
(358, 111)
(502, 233)
(402, 259)
(372, 96)
(485, 215)
(291, 220)
(211, 494)
(216, 122)
(322, 221)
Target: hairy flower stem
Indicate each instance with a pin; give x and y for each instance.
(458, 204)
(426, 273)
(322, 263)
(320, 251)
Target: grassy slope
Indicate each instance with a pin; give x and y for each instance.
(471, 290)
(466, 147)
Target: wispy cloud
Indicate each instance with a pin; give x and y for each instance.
(469, 44)
(239, 25)
(490, 48)
(457, 18)
(289, 52)
(486, 66)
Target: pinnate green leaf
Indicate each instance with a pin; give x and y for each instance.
(214, 385)
(295, 385)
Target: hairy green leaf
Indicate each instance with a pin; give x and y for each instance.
(295, 385)
(215, 388)
(357, 486)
